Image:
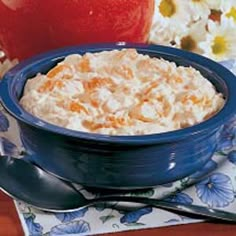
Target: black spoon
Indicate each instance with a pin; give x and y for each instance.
(30, 184)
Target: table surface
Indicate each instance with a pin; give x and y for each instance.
(10, 225)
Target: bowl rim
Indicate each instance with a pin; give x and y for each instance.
(11, 104)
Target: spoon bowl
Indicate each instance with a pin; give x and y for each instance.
(28, 183)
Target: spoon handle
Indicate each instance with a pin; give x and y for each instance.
(177, 207)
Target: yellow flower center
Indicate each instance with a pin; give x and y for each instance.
(219, 45)
(188, 43)
(232, 13)
(167, 8)
(196, 0)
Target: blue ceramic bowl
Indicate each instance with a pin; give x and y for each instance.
(122, 162)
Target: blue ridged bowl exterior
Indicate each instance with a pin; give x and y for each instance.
(120, 162)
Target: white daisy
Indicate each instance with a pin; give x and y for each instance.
(199, 9)
(220, 43)
(215, 4)
(229, 9)
(164, 33)
(175, 12)
(227, 4)
(190, 40)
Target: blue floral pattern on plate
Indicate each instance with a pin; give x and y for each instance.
(8, 147)
(180, 198)
(34, 228)
(75, 227)
(216, 190)
(69, 216)
(212, 186)
(134, 216)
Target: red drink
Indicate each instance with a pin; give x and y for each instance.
(28, 27)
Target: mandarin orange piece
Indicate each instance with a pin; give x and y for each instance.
(84, 65)
(115, 122)
(178, 80)
(97, 82)
(194, 99)
(153, 85)
(47, 86)
(59, 84)
(92, 125)
(77, 107)
(124, 71)
(94, 103)
(56, 70)
(67, 77)
(129, 53)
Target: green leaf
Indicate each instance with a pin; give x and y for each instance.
(27, 215)
(143, 193)
(105, 205)
(221, 153)
(104, 219)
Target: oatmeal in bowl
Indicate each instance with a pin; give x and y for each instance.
(121, 92)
